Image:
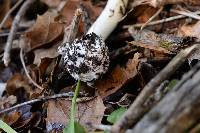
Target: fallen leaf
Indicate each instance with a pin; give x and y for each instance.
(45, 53)
(154, 48)
(163, 43)
(12, 117)
(118, 77)
(68, 11)
(45, 32)
(145, 13)
(70, 7)
(190, 30)
(87, 111)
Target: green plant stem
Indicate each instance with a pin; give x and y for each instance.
(73, 106)
(6, 127)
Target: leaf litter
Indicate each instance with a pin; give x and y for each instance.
(150, 46)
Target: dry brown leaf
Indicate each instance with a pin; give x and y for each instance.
(45, 32)
(70, 7)
(58, 112)
(93, 10)
(43, 53)
(118, 77)
(68, 11)
(190, 30)
(12, 117)
(154, 48)
(161, 43)
(144, 13)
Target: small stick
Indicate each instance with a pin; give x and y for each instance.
(9, 12)
(153, 17)
(135, 111)
(20, 14)
(99, 127)
(188, 14)
(159, 21)
(43, 99)
(26, 71)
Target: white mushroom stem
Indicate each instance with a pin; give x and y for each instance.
(109, 18)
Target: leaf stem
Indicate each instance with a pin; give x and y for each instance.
(73, 106)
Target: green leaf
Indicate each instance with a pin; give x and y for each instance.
(116, 115)
(74, 128)
(6, 127)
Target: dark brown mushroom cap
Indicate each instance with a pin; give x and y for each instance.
(86, 58)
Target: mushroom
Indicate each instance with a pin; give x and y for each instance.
(86, 58)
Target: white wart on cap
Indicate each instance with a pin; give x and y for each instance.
(86, 58)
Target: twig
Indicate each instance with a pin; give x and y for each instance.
(159, 21)
(99, 127)
(153, 17)
(5, 34)
(20, 14)
(9, 12)
(43, 99)
(188, 14)
(176, 112)
(61, 6)
(26, 71)
(137, 109)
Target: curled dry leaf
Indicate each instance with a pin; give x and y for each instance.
(45, 32)
(118, 77)
(44, 53)
(87, 111)
(162, 43)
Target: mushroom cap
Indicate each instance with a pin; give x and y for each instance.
(86, 58)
